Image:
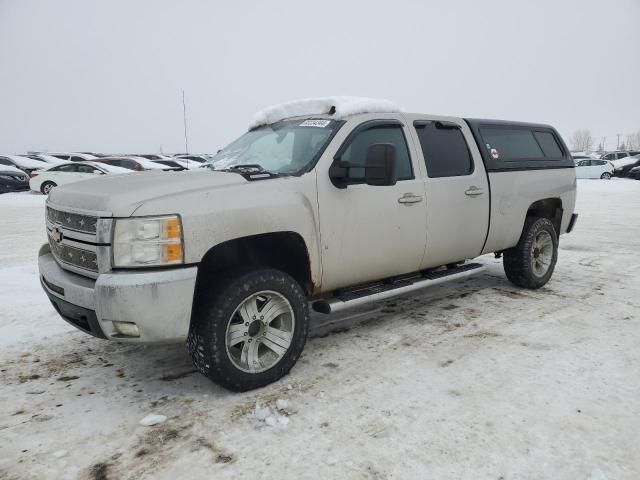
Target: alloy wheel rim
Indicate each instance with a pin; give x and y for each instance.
(260, 331)
(542, 253)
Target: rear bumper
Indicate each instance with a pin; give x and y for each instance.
(572, 222)
(158, 302)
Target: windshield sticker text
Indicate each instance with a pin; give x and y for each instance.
(315, 123)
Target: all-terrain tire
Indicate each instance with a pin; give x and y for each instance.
(520, 261)
(207, 340)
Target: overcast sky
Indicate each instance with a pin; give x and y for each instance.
(108, 75)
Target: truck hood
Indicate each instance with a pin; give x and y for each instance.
(121, 195)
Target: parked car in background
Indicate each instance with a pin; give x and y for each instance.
(152, 156)
(634, 173)
(195, 158)
(44, 180)
(13, 179)
(137, 164)
(594, 169)
(584, 156)
(25, 164)
(73, 156)
(619, 155)
(623, 166)
(50, 159)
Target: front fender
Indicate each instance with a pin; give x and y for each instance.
(214, 216)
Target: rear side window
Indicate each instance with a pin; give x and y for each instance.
(65, 168)
(549, 145)
(445, 150)
(512, 144)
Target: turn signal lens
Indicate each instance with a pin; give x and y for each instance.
(172, 226)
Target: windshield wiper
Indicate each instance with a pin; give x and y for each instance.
(250, 171)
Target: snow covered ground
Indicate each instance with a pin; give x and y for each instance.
(475, 380)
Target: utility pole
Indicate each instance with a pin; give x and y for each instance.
(618, 144)
(184, 117)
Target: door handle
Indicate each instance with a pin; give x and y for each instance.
(409, 198)
(473, 191)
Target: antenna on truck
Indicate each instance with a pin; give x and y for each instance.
(184, 118)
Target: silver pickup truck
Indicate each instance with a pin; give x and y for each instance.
(322, 204)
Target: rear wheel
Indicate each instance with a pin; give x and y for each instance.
(530, 264)
(605, 176)
(46, 187)
(250, 330)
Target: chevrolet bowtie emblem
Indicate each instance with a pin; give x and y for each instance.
(56, 235)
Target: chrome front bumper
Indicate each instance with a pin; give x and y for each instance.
(157, 301)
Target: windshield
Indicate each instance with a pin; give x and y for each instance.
(289, 147)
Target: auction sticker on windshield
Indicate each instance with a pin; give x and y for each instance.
(315, 123)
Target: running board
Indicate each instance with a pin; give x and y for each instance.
(392, 288)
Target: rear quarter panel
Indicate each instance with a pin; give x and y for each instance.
(513, 192)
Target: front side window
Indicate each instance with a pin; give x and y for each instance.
(445, 150)
(289, 147)
(356, 151)
(4, 161)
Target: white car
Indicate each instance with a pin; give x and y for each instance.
(25, 164)
(50, 159)
(72, 156)
(44, 180)
(594, 169)
(137, 164)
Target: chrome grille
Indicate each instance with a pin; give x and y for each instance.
(77, 257)
(73, 221)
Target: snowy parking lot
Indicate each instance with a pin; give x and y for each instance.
(476, 379)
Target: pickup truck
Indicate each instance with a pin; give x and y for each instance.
(323, 204)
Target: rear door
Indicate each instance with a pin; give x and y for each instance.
(457, 190)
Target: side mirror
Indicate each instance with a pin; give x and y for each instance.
(380, 165)
(98, 172)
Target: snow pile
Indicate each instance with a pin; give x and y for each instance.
(341, 107)
(152, 419)
(273, 418)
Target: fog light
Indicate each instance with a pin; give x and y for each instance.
(127, 329)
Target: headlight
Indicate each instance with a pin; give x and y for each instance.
(148, 242)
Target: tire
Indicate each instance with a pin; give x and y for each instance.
(46, 187)
(605, 176)
(525, 264)
(242, 355)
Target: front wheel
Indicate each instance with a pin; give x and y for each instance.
(605, 176)
(531, 262)
(250, 330)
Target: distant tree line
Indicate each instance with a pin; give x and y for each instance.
(583, 141)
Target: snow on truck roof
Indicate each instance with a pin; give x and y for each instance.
(337, 107)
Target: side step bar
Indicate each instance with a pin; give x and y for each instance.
(381, 291)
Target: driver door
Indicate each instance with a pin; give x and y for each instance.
(372, 232)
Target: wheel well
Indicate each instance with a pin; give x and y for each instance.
(285, 251)
(550, 208)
